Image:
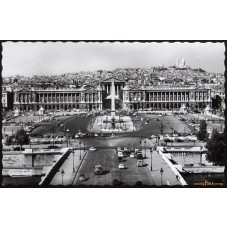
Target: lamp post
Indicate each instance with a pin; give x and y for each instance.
(84, 143)
(145, 148)
(12, 140)
(67, 137)
(140, 142)
(172, 136)
(161, 172)
(53, 137)
(73, 159)
(62, 173)
(29, 139)
(80, 150)
(151, 152)
(64, 130)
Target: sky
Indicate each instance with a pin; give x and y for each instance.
(51, 58)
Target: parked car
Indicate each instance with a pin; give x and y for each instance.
(140, 163)
(92, 149)
(121, 166)
(132, 155)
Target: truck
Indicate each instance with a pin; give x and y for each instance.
(120, 156)
(139, 155)
(139, 162)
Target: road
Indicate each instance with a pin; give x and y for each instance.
(108, 159)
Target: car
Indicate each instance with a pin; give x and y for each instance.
(82, 177)
(139, 155)
(98, 169)
(92, 149)
(121, 166)
(132, 155)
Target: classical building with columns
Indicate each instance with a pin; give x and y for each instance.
(58, 99)
(161, 97)
(127, 97)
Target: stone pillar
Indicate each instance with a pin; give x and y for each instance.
(113, 108)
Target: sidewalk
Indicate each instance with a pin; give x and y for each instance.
(168, 175)
(67, 166)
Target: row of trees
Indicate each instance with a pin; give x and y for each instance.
(20, 138)
(216, 145)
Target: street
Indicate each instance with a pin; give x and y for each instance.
(108, 159)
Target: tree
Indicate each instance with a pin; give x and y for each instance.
(216, 102)
(9, 140)
(217, 148)
(202, 133)
(21, 138)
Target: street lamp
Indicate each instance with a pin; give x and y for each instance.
(145, 148)
(64, 130)
(53, 137)
(67, 137)
(73, 160)
(62, 173)
(172, 136)
(29, 139)
(80, 150)
(172, 131)
(151, 152)
(84, 143)
(161, 172)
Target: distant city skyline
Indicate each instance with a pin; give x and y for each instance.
(54, 58)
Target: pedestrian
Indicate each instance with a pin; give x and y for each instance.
(177, 177)
(167, 182)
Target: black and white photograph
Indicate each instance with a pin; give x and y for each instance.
(113, 113)
(132, 114)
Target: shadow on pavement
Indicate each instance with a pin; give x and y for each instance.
(105, 172)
